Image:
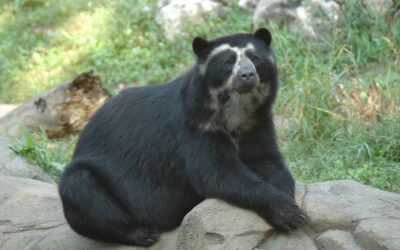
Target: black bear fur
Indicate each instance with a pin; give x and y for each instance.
(151, 154)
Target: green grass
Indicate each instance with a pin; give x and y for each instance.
(50, 155)
(45, 43)
(369, 153)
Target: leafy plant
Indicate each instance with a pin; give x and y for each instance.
(51, 156)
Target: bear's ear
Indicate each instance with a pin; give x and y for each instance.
(199, 45)
(264, 34)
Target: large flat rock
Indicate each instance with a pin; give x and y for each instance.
(341, 215)
(344, 204)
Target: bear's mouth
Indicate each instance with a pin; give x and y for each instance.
(244, 88)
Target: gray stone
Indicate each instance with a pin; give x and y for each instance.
(337, 240)
(175, 13)
(297, 240)
(300, 193)
(342, 204)
(6, 108)
(289, 13)
(313, 18)
(379, 233)
(31, 218)
(216, 225)
(248, 4)
(12, 164)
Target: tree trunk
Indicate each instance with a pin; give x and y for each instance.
(61, 111)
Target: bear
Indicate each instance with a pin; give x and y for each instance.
(150, 154)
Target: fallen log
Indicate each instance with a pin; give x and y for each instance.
(59, 112)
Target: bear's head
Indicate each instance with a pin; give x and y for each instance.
(239, 63)
(240, 74)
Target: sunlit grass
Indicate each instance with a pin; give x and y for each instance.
(48, 66)
(45, 43)
(6, 16)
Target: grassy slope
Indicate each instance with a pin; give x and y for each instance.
(47, 42)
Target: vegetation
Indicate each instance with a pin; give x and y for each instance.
(340, 128)
(50, 155)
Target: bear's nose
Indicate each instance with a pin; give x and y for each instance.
(248, 76)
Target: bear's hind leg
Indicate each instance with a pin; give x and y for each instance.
(93, 211)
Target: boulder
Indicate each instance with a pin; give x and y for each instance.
(311, 17)
(314, 18)
(12, 164)
(341, 215)
(379, 233)
(248, 4)
(337, 240)
(175, 13)
(6, 108)
(344, 204)
(32, 218)
(294, 241)
(214, 224)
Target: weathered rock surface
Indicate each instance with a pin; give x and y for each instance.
(175, 13)
(13, 165)
(342, 215)
(337, 240)
(379, 233)
(345, 204)
(31, 218)
(310, 17)
(6, 108)
(294, 241)
(314, 18)
(215, 224)
(248, 4)
(368, 218)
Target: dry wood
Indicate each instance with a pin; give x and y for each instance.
(61, 111)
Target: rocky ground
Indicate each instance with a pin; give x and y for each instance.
(342, 215)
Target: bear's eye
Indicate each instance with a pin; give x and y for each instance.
(231, 60)
(254, 58)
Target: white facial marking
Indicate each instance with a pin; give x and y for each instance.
(215, 51)
(240, 55)
(235, 114)
(240, 52)
(219, 49)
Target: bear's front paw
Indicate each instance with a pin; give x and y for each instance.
(285, 217)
